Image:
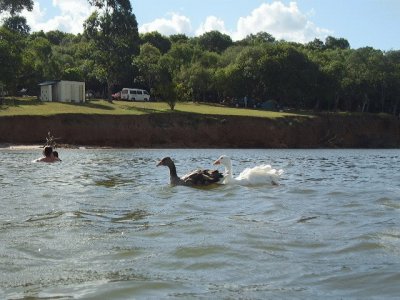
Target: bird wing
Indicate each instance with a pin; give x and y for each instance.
(259, 175)
(202, 177)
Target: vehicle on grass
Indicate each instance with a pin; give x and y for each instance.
(135, 94)
(270, 105)
(116, 95)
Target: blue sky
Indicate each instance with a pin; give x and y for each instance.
(374, 23)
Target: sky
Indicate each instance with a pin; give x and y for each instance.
(374, 23)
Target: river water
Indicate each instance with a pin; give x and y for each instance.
(105, 224)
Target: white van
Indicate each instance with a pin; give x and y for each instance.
(135, 94)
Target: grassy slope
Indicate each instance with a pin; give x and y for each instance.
(30, 106)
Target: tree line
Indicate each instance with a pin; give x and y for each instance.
(110, 54)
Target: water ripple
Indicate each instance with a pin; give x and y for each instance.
(106, 224)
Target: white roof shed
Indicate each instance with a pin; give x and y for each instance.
(62, 91)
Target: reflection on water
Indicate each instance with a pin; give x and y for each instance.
(105, 224)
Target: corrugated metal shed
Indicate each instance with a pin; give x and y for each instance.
(62, 91)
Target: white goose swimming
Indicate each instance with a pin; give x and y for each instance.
(258, 175)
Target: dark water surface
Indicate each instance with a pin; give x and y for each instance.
(105, 224)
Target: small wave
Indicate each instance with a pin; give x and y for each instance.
(362, 246)
(112, 182)
(389, 202)
(46, 216)
(131, 216)
(195, 252)
(306, 219)
(103, 215)
(303, 191)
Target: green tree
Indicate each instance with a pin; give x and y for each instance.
(258, 38)
(181, 54)
(229, 81)
(165, 88)
(378, 69)
(55, 37)
(11, 47)
(156, 39)
(197, 79)
(248, 62)
(288, 75)
(70, 56)
(37, 63)
(332, 65)
(214, 41)
(393, 81)
(147, 63)
(17, 24)
(74, 73)
(363, 79)
(15, 6)
(178, 38)
(40, 49)
(316, 44)
(208, 59)
(336, 43)
(113, 32)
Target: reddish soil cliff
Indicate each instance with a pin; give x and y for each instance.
(199, 131)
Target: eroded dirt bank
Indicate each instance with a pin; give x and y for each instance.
(197, 131)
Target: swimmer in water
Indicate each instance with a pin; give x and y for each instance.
(48, 155)
(55, 154)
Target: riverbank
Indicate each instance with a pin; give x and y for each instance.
(188, 130)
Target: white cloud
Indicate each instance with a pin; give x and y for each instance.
(70, 18)
(283, 22)
(33, 17)
(212, 23)
(174, 25)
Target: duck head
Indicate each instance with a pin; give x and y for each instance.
(227, 163)
(166, 161)
(223, 160)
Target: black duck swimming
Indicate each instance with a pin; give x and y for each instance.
(195, 178)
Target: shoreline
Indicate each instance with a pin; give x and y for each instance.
(166, 131)
(83, 148)
(40, 147)
(19, 147)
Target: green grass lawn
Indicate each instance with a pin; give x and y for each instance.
(31, 106)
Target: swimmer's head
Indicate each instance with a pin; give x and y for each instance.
(47, 151)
